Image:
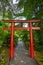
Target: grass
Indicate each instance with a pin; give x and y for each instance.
(39, 57)
(5, 55)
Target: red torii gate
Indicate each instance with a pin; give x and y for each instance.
(30, 28)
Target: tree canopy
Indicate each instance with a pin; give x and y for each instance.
(30, 9)
(21, 10)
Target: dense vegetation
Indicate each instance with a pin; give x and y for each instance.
(32, 9)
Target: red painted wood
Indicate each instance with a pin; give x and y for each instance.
(12, 41)
(21, 21)
(27, 28)
(7, 28)
(23, 28)
(31, 42)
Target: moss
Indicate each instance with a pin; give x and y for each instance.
(39, 57)
(5, 55)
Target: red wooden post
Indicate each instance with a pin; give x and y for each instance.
(15, 28)
(31, 42)
(12, 41)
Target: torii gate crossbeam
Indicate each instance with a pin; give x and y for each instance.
(13, 28)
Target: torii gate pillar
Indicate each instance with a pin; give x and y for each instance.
(31, 42)
(21, 28)
(12, 41)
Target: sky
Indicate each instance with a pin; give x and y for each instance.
(15, 1)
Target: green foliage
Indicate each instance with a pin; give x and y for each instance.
(2, 36)
(5, 55)
(6, 42)
(31, 7)
(15, 40)
(1, 23)
(24, 36)
(38, 38)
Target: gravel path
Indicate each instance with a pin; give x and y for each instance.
(22, 57)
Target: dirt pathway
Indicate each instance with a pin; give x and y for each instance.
(22, 57)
